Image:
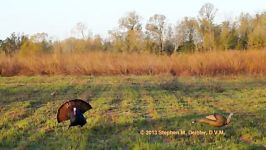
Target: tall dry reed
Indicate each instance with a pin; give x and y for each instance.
(99, 63)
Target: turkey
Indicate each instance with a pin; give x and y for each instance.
(216, 120)
(73, 110)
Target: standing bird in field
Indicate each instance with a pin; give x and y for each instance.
(73, 110)
(216, 120)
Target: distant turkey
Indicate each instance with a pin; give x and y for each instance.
(216, 120)
(73, 110)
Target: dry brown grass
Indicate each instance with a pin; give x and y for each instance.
(250, 62)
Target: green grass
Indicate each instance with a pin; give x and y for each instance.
(125, 105)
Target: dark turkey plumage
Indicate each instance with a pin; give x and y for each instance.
(73, 110)
(77, 119)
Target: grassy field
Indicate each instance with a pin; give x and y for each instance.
(123, 106)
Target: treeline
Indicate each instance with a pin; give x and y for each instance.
(156, 36)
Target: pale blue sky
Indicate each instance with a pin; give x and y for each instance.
(58, 17)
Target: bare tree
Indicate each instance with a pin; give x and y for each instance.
(39, 37)
(130, 28)
(207, 12)
(206, 17)
(81, 29)
(156, 28)
(187, 31)
(245, 27)
(131, 21)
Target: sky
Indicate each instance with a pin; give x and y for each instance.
(58, 17)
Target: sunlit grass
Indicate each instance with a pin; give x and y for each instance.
(125, 105)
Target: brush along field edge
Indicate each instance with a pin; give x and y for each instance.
(99, 63)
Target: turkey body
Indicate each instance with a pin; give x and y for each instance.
(215, 120)
(218, 120)
(77, 119)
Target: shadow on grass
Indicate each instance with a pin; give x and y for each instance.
(110, 135)
(86, 91)
(107, 134)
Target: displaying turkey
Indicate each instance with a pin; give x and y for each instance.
(73, 110)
